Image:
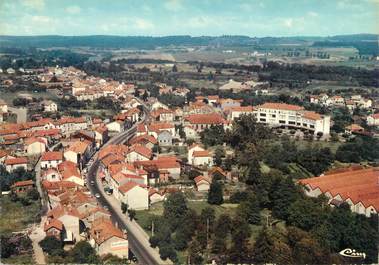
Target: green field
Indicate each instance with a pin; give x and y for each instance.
(332, 145)
(15, 216)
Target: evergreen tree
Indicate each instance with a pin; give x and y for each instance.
(215, 194)
(283, 193)
(250, 210)
(263, 251)
(239, 250)
(221, 231)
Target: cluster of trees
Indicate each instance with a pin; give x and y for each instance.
(13, 245)
(24, 101)
(290, 73)
(36, 58)
(108, 103)
(71, 103)
(312, 157)
(319, 229)
(172, 100)
(358, 149)
(204, 235)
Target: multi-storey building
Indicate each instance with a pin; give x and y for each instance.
(280, 114)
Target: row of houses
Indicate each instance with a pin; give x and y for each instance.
(356, 185)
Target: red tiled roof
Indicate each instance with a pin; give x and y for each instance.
(53, 223)
(201, 178)
(129, 185)
(212, 118)
(32, 140)
(160, 163)
(16, 161)
(50, 156)
(23, 183)
(143, 138)
(58, 185)
(204, 153)
(360, 185)
(311, 115)
(65, 165)
(103, 229)
(78, 147)
(158, 126)
(281, 106)
(142, 150)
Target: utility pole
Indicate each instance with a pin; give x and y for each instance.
(207, 239)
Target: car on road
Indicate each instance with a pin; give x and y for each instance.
(97, 195)
(92, 182)
(106, 208)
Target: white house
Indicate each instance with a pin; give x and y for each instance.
(35, 146)
(202, 158)
(191, 149)
(51, 175)
(49, 106)
(135, 195)
(202, 183)
(115, 126)
(108, 239)
(13, 163)
(138, 153)
(155, 196)
(158, 105)
(51, 159)
(373, 120)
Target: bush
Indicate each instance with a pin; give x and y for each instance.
(33, 194)
(51, 245)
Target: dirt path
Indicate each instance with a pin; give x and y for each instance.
(36, 236)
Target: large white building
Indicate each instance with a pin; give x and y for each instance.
(280, 114)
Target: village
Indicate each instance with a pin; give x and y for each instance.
(164, 153)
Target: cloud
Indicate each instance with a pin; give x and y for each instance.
(312, 14)
(34, 4)
(73, 10)
(288, 22)
(202, 21)
(41, 19)
(173, 5)
(143, 24)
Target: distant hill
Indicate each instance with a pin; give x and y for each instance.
(145, 42)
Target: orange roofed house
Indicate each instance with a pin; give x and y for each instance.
(356, 186)
(78, 152)
(51, 159)
(199, 122)
(12, 163)
(22, 186)
(202, 183)
(108, 239)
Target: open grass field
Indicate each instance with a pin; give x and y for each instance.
(332, 145)
(15, 216)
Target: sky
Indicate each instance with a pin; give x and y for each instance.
(255, 18)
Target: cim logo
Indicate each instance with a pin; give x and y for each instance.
(352, 253)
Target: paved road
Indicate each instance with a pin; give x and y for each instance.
(138, 239)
